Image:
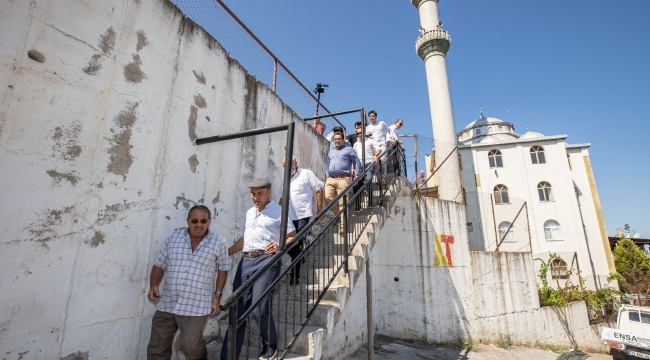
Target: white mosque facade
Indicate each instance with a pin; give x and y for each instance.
(543, 187)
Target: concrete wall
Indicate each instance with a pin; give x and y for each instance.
(425, 290)
(98, 166)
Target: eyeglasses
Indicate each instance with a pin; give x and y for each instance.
(196, 221)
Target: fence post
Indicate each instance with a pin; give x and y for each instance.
(232, 332)
(275, 72)
(345, 229)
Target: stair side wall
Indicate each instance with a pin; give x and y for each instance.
(98, 166)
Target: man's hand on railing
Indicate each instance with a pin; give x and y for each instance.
(216, 301)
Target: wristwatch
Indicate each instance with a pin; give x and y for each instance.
(218, 292)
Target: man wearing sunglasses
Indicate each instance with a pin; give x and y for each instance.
(194, 263)
(260, 242)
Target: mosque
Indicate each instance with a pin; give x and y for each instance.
(534, 192)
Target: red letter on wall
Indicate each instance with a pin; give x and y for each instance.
(448, 240)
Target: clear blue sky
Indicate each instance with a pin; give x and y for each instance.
(578, 67)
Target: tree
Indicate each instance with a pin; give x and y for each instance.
(634, 266)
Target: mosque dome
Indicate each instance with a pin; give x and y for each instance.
(529, 135)
(487, 130)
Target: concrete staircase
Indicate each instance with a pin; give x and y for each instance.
(289, 302)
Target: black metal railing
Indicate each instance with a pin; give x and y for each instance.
(302, 303)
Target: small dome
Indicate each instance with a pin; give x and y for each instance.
(498, 138)
(483, 121)
(529, 135)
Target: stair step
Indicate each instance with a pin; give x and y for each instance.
(302, 346)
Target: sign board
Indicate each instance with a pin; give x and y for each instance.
(626, 338)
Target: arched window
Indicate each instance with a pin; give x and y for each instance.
(559, 269)
(537, 155)
(544, 191)
(495, 159)
(501, 194)
(552, 230)
(478, 132)
(503, 227)
(490, 130)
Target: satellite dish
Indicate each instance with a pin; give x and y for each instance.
(636, 236)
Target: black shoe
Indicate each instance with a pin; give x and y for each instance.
(294, 282)
(269, 353)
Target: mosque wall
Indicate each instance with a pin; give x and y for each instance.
(521, 178)
(100, 104)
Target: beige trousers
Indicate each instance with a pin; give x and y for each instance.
(333, 187)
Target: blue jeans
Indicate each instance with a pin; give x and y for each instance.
(262, 314)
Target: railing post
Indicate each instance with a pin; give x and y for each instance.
(381, 177)
(275, 72)
(345, 229)
(284, 220)
(232, 332)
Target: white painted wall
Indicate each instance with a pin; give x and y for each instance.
(98, 167)
(521, 177)
(482, 295)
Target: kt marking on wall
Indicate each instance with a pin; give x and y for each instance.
(445, 259)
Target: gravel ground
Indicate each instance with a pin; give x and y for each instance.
(386, 348)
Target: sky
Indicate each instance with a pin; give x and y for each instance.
(580, 68)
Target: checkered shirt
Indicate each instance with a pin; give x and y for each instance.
(190, 278)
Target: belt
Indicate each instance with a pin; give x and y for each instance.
(340, 176)
(254, 254)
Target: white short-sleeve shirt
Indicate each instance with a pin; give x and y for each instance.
(371, 147)
(263, 227)
(378, 131)
(304, 184)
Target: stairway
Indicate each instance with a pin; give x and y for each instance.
(289, 305)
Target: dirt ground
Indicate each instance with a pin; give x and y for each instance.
(386, 348)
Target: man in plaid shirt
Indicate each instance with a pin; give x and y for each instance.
(195, 263)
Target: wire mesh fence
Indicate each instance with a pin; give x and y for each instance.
(243, 46)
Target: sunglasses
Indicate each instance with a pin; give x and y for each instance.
(196, 221)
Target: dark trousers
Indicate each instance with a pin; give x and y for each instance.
(367, 179)
(163, 329)
(262, 314)
(299, 224)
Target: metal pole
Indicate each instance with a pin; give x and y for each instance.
(530, 241)
(369, 317)
(415, 153)
(494, 219)
(511, 225)
(363, 140)
(275, 72)
(287, 184)
(345, 229)
(232, 332)
(241, 134)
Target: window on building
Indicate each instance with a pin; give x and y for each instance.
(503, 227)
(537, 155)
(552, 230)
(496, 160)
(544, 191)
(490, 130)
(559, 269)
(501, 194)
(477, 132)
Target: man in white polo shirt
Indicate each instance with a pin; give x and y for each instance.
(260, 242)
(304, 184)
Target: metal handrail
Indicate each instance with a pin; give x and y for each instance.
(231, 303)
(276, 258)
(436, 170)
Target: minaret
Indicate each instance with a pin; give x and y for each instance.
(432, 46)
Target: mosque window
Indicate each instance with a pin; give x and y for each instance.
(490, 130)
(495, 158)
(559, 269)
(544, 191)
(503, 227)
(477, 132)
(537, 155)
(552, 230)
(501, 194)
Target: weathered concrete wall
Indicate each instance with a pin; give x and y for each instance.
(429, 286)
(98, 167)
(421, 272)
